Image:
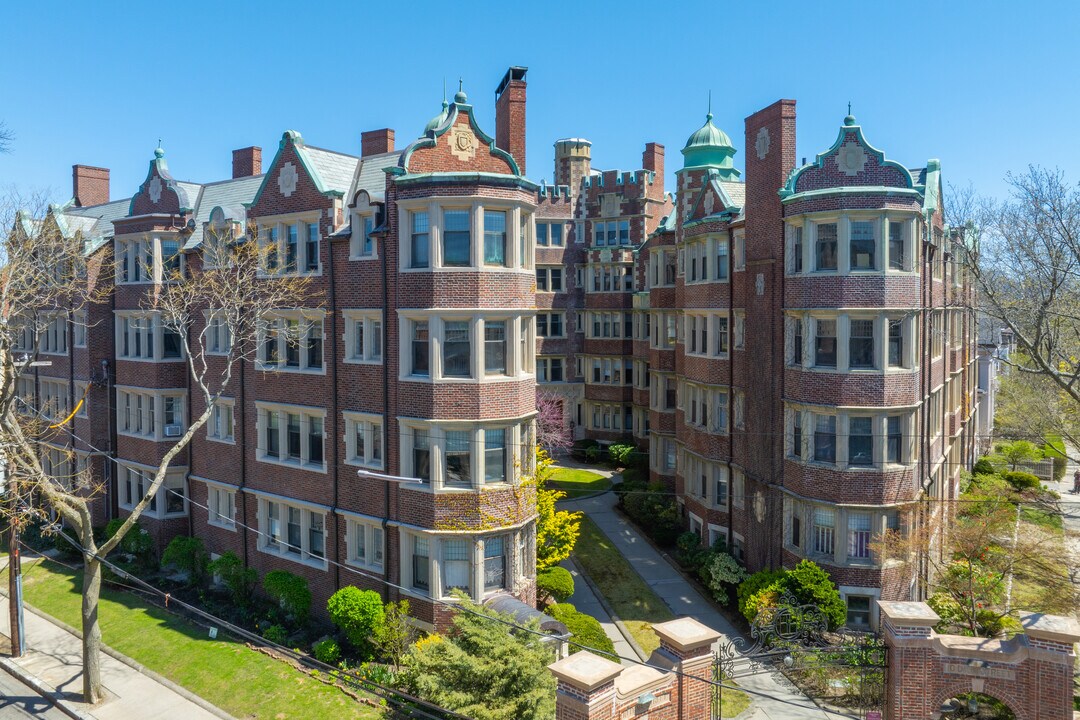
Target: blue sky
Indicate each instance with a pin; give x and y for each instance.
(986, 87)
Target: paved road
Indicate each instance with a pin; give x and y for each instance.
(20, 701)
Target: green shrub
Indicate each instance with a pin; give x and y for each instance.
(188, 555)
(811, 585)
(359, 614)
(584, 629)
(290, 591)
(621, 454)
(577, 451)
(327, 651)
(754, 584)
(592, 454)
(720, 572)
(137, 541)
(983, 466)
(276, 634)
(1023, 480)
(689, 551)
(235, 576)
(555, 582)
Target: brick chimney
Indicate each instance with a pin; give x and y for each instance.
(247, 162)
(376, 142)
(510, 114)
(653, 158)
(89, 185)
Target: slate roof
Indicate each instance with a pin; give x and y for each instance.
(370, 175)
(335, 169)
(229, 194)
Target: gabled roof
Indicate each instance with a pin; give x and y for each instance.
(95, 222)
(332, 172)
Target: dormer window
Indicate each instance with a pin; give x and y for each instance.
(362, 244)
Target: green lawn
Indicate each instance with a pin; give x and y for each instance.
(632, 599)
(240, 681)
(576, 483)
(628, 595)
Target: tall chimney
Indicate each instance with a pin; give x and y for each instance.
(376, 142)
(653, 158)
(89, 185)
(510, 114)
(247, 162)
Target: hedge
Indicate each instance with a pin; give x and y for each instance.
(555, 582)
(584, 629)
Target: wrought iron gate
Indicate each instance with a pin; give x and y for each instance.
(841, 669)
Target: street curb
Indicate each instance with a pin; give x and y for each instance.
(181, 691)
(43, 689)
(623, 630)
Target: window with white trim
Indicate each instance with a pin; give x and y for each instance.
(294, 531)
(361, 241)
(550, 369)
(611, 277)
(366, 544)
(549, 234)
(290, 246)
(870, 438)
(141, 335)
(55, 399)
(463, 348)
(611, 417)
(221, 504)
(291, 341)
(549, 279)
(551, 325)
(217, 334)
(739, 252)
(610, 371)
(150, 414)
(364, 440)
(151, 259)
(222, 424)
(52, 337)
(611, 233)
(823, 532)
(78, 322)
(291, 435)
(134, 482)
(462, 455)
(363, 336)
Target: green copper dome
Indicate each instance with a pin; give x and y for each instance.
(709, 147)
(438, 119)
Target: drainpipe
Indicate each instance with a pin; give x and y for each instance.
(334, 410)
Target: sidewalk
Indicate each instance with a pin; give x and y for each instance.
(585, 600)
(54, 659)
(783, 701)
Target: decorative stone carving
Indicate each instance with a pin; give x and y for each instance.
(709, 203)
(762, 143)
(286, 180)
(851, 159)
(609, 205)
(462, 143)
(155, 190)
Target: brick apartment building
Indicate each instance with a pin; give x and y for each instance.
(794, 350)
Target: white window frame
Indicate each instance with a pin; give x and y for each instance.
(127, 472)
(520, 342)
(374, 336)
(280, 225)
(374, 535)
(216, 515)
(131, 253)
(217, 335)
(271, 546)
(157, 337)
(520, 251)
(214, 430)
(515, 442)
(151, 421)
(372, 425)
(278, 322)
(306, 413)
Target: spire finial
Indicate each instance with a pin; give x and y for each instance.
(159, 152)
(708, 116)
(459, 83)
(460, 98)
(848, 107)
(850, 119)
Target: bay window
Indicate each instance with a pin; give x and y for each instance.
(476, 348)
(823, 532)
(860, 441)
(861, 344)
(495, 347)
(457, 455)
(863, 245)
(134, 482)
(457, 351)
(457, 239)
(859, 535)
(142, 335)
(290, 244)
(456, 565)
(825, 438)
(495, 237)
(825, 343)
(494, 564)
(825, 246)
(221, 505)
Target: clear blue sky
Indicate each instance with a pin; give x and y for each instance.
(986, 87)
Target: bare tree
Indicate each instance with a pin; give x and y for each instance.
(7, 137)
(1024, 254)
(222, 292)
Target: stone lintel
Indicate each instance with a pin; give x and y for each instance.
(908, 614)
(686, 634)
(1051, 627)
(585, 671)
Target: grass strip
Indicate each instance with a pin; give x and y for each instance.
(240, 681)
(577, 483)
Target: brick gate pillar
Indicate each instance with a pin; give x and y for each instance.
(689, 644)
(586, 687)
(910, 685)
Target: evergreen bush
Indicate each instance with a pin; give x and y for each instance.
(359, 614)
(238, 579)
(1023, 480)
(556, 583)
(584, 629)
(189, 556)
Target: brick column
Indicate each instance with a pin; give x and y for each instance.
(586, 687)
(907, 627)
(689, 643)
(1052, 641)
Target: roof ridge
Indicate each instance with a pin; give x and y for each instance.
(335, 152)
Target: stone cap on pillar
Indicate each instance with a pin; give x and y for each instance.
(1051, 627)
(585, 671)
(908, 614)
(686, 634)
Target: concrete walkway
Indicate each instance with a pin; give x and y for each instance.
(53, 664)
(1071, 506)
(778, 700)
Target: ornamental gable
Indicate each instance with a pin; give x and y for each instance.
(457, 145)
(851, 162)
(160, 194)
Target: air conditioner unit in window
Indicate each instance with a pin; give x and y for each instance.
(173, 431)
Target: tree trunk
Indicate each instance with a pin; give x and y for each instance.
(91, 645)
